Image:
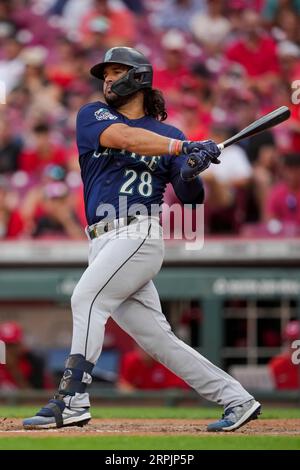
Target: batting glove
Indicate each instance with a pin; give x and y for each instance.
(209, 146)
(195, 164)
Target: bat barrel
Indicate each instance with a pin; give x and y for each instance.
(265, 122)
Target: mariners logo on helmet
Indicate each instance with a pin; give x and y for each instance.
(108, 55)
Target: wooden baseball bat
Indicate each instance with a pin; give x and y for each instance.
(265, 122)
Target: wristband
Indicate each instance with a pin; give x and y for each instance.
(178, 147)
(175, 147)
(170, 149)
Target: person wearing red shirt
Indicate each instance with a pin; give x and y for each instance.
(43, 153)
(115, 24)
(172, 73)
(255, 51)
(23, 368)
(285, 373)
(282, 205)
(140, 371)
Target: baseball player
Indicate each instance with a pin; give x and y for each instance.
(127, 156)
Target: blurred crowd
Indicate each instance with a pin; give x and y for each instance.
(220, 64)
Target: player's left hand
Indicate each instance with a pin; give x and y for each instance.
(209, 146)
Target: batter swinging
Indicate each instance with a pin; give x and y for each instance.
(127, 157)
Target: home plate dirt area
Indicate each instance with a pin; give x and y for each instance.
(109, 427)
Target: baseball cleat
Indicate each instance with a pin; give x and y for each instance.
(236, 416)
(57, 415)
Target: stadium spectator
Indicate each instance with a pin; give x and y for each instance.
(169, 76)
(237, 175)
(24, 369)
(285, 373)
(55, 216)
(34, 195)
(34, 58)
(71, 15)
(7, 26)
(139, 371)
(65, 67)
(287, 26)
(177, 14)
(272, 9)
(10, 148)
(283, 203)
(233, 182)
(262, 154)
(43, 152)
(289, 54)
(190, 118)
(116, 25)
(16, 109)
(11, 223)
(212, 27)
(256, 51)
(11, 66)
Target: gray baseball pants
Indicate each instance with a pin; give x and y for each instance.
(118, 283)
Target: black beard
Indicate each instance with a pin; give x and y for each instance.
(117, 101)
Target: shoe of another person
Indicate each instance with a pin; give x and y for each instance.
(57, 415)
(235, 417)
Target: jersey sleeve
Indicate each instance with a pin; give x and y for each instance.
(92, 120)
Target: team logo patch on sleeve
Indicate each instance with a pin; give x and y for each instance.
(104, 114)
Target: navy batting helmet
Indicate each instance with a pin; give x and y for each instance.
(138, 76)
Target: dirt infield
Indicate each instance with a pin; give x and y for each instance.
(110, 427)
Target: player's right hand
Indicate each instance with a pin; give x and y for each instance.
(209, 146)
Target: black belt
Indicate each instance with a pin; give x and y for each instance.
(100, 228)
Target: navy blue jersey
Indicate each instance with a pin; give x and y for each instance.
(112, 175)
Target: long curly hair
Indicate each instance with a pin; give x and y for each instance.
(154, 104)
